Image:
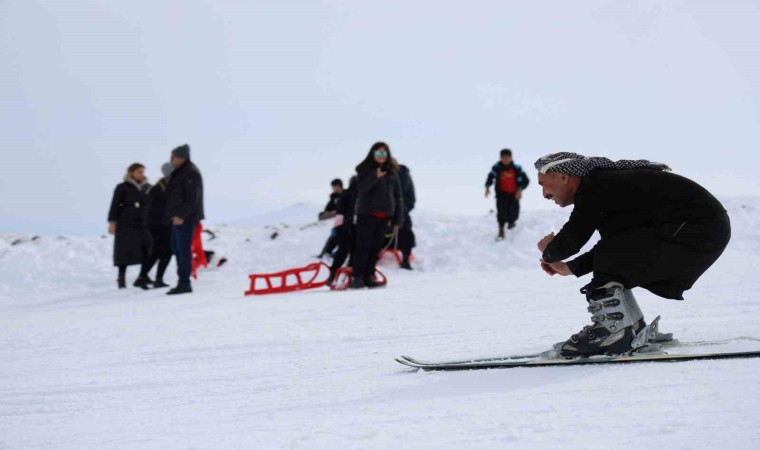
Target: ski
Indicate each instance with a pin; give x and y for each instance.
(513, 362)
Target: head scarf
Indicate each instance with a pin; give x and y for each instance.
(580, 166)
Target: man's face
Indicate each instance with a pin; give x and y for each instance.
(506, 160)
(175, 161)
(557, 187)
(139, 175)
(337, 189)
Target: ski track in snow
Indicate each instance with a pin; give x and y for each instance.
(86, 366)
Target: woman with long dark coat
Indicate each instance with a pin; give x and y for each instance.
(128, 220)
(378, 203)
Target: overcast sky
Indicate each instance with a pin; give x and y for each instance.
(276, 98)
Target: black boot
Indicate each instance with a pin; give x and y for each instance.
(122, 282)
(143, 282)
(511, 225)
(180, 289)
(159, 284)
(502, 233)
(405, 263)
(372, 283)
(357, 283)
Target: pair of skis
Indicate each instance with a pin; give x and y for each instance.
(550, 358)
(507, 363)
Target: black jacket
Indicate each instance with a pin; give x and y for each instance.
(495, 174)
(407, 194)
(129, 205)
(346, 204)
(184, 195)
(615, 201)
(379, 195)
(157, 203)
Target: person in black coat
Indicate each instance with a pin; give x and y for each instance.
(344, 229)
(406, 238)
(378, 202)
(659, 231)
(184, 210)
(160, 230)
(329, 212)
(510, 180)
(128, 219)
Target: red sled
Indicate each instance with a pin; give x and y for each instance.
(303, 278)
(395, 254)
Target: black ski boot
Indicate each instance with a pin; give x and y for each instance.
(616, 320)
(143, 282)
(180, 289)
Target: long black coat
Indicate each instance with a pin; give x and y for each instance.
(158, 224)
(129, 210)
(407, 194)
(184, 196)
(658, 230)
(379, 195)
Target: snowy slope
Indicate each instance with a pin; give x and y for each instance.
(86, 366)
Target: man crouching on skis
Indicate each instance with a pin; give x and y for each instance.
(659, 231)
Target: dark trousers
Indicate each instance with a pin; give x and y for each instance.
(162, 252)
(370, 234)
(406, 241)
(345, 241)
(331, 243)
(507, 208)
(666, 260)
(182, 240)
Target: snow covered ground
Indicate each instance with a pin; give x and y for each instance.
(85, 366)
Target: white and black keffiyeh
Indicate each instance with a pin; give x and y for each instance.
(579, 165)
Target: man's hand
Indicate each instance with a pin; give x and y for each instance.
(488, 192)
(556, 268)
(518, 195)
(111, 227)
(177, 220)
(543, 243)
(380, 172)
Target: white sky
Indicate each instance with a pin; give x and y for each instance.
(277, 98)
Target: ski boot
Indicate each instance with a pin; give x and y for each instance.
(616, 319)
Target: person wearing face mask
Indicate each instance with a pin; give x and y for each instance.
(378, 203)
(659, 231)
(128, 222)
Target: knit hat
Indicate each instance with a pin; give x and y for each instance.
(167, 169)
(579, 165)
(183, 151)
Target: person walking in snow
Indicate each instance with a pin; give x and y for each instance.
(344, 227)
(659, 231)
(378, 202)
(127, 220)
(160, 230)
(329, 212)
(510, 180)
(406, 238)
(184, 210)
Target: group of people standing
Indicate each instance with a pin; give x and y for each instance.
(372, 211)
(152, 223)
